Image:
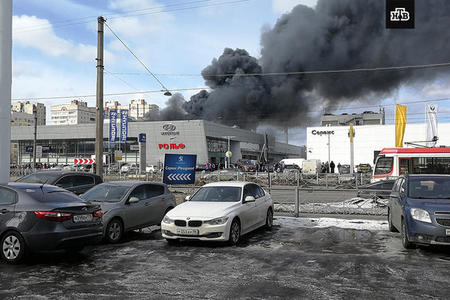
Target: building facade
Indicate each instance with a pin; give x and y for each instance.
(73, 113)
(365, 118)
(368, 141)
(21, 119)
(28, 108)
(208, 140)
(137, 109)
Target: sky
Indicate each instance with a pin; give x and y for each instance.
(54, 49)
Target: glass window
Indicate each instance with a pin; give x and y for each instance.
(83, 180)
(153, 190)
(106, 193)
(384, 165)
(218, 194)
(432, 187)
(39, 178)
(66, 182)
(249, 190)
(7, 196)
(139, 192)
(431, 165)
(258, 191)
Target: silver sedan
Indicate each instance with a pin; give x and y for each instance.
(130, 205)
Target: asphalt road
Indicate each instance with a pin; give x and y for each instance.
(319, 263)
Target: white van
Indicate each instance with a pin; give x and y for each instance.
(311, 166)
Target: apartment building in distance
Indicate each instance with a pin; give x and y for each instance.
(73, 113)
(137, 109)
(365, 118)
(23, 111)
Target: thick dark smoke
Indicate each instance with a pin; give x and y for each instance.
(337, 34)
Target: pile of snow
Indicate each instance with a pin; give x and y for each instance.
(292, 223)
(352, 206)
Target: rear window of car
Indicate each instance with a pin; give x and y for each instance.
(39, 178)
(51, 194)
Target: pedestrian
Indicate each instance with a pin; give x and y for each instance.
(339, 168)
(332, 166)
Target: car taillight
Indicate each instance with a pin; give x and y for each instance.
(98, 213)
(53, 215)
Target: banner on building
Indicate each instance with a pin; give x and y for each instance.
(400, 125)
(112, 125)
(123, 125)
(431, 119)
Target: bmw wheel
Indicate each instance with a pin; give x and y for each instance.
(235, 232)
(405, 239)
(13, 247)
(269, 219)
(114, 231)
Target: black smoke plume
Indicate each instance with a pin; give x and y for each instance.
(337, 34)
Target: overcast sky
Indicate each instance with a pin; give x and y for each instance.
(54, 48)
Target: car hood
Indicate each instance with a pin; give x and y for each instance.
(202, 209)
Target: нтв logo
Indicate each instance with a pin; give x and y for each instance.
(399, 14)
(180, 158)
(169, 127)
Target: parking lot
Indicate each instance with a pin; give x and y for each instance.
(299, 258)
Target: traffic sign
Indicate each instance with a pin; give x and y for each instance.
(118, 155)
(134, 147)
(83, 161)
(179, 168)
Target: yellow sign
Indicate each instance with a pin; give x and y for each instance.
(400, 124)
(351, 133)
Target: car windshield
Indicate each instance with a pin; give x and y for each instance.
(106, 193)
(218, 194)
(429, 188)
(39, 178)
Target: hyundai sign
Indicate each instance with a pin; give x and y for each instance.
(123, 125)
(179, 168)
(113, 126)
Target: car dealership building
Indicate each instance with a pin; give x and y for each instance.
(208, 140)
(368, 141)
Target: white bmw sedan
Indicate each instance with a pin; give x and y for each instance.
(221, 211)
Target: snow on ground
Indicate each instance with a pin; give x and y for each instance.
(290, 222)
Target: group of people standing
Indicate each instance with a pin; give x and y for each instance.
(330, 168)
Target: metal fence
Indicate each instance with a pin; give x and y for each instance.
(294, 193)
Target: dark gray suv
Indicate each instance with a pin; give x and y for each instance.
(76, 182)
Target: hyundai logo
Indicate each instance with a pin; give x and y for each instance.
(169, 127)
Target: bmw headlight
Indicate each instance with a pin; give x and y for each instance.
(167, 220)
(216, 221)
(420, 215)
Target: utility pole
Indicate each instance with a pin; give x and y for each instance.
(5, 87)
(34, 137)
(99, 99)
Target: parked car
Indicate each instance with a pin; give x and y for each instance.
(129, 168)
(151, 169)
(37, 217)
(248, 165)
(76, 182)
(129, 205)
(221, 211)
(363, 168)
(381, 189)
(419, 207)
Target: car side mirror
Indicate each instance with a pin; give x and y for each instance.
(249, 199)
(133, 200)
(187, 198)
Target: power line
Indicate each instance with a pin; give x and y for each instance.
(117, 77)
(140, 61)
(391, 68)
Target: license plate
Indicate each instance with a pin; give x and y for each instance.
(187, 231)
(447, 231)
(82, 218)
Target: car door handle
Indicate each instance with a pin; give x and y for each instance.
(4, 211)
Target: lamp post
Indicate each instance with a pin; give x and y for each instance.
(228, 154)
